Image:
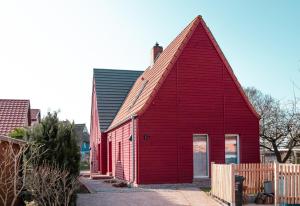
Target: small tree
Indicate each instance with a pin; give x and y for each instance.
(51, 154)
(279, 126)
(60, 141)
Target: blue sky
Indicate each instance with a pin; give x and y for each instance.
(49, 48)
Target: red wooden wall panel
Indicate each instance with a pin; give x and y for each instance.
(198, 97)
(94, 134)
(98, 140)
(122, 168)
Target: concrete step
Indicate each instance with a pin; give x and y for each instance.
(86, 174)
(100, 177)
(202, 182)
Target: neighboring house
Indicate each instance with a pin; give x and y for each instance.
(186, 110)
(35, 115)
(14, 113)
(268, 156)
(84, 141)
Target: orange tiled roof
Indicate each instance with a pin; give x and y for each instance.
(149, 82)
(13, 114)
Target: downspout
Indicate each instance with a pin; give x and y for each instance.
(133, 148)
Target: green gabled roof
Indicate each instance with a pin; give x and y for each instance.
(112, 87)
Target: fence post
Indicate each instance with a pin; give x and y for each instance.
(276, 181)
(232, 184)
(211, 177)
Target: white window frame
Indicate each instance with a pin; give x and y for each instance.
(237, 146)
(208, 154)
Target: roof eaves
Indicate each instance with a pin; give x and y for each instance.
(121, 122)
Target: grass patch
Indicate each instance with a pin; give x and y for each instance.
(205, 189)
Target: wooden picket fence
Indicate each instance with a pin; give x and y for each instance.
(255, 175)
(222, 180)
(287, 183)
(286, 178)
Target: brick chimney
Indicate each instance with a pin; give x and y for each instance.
(155, 52)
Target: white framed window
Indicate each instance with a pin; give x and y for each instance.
(232, 149)
(200, 155)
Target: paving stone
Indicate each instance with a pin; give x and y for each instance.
(103, 194)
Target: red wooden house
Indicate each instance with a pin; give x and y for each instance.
(167, 124)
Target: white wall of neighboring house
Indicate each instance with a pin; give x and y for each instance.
(267, 157)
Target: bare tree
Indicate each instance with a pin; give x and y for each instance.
(51, 185)
(279, 124)
(13, 168)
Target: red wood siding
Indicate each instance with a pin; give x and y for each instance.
(198, 96)
(122, 169)
(158, 153)
(238, 119)
(98, 140)
(94, 134)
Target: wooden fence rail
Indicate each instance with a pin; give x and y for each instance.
(286, 178)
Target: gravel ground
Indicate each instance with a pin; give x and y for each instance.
(103, 194)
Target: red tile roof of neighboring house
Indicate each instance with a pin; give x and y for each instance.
(147, 85)
(34, 113)
(13, 114)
